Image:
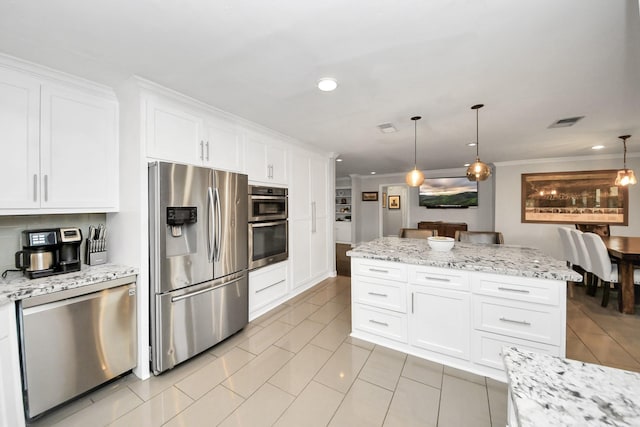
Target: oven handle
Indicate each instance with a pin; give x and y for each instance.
(255, 197)
(209, 221)
(266, 224)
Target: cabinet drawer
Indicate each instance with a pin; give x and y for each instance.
(380, 293)
(380, 269)
(383, 323)
(488, 348)
(439, 277)
(267, 285)
(536, 322)
(519, 288)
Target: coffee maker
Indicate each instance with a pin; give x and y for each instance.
(49, 251)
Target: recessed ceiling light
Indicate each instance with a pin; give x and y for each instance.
(597, 147)
(327, 84)
(338, 160)
(373, 173)
(466, 165)
(472, 144)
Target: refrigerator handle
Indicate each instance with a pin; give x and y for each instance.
(210, 248)
(218, 229)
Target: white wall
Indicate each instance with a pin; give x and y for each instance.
(544, 236)
(367, 214)
(393, 219)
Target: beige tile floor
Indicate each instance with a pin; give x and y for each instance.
(297, 366)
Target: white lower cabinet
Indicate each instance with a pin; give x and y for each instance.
(456, 317)
(11, 411)
(267, 287)
(439, 320)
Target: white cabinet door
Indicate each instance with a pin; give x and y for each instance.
(319, 248)
(174, 133)
(299, 196)
(78, 150)
(277, 160)
(265, 161)
(19, 141)
(299, 243)
(439, 320)
(11, 412)
(223, 146)
(318, 185)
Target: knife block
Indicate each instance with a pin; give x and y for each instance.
(96, 252)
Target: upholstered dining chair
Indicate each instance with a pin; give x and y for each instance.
(584, 261)
(603, 268)
(489, 237)
(570, 253)
(599, 229)
(417, 233)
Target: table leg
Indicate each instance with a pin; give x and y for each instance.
(625, 269)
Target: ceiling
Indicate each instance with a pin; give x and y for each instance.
(531, 63)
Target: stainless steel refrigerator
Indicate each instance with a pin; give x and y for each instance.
(198, 260)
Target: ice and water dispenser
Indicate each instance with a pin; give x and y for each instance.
(181, 233)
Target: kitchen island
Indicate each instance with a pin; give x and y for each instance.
(552, 391)
(459, 307)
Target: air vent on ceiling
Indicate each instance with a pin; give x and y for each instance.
(387, 128)
(563, 123)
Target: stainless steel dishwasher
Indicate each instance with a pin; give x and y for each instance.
(74, 340)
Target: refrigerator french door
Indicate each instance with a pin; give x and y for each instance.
(198, 260)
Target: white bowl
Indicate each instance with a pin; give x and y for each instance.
(440, 243)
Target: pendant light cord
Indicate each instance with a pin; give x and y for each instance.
(415, 145)
(624, 142)
(477, 136)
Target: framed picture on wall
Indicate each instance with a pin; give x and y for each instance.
(394, 202)
(583, 197)
(369, 196)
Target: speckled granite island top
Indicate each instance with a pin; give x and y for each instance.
(16, 286)
(553, 391)
(499, 259)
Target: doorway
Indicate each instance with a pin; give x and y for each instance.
(395, 209)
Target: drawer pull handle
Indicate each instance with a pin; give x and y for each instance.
(377, 270)
(439, 279)
(270, 286)
(522, 291)
(378, 295)
(378, 323)
(520, 322)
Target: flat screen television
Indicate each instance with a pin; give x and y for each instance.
(452, 192)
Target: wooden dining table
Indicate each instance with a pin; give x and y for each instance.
(627, 251)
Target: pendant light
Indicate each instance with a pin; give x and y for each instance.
(415, 178)
(625, 176)
(478, 171)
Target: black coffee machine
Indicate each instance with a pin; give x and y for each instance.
(49, 251)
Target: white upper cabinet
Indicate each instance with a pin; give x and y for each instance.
(265, 161)
(78, 150)
(174, 133)
(223, 148)
(19, 141)
(58, 147)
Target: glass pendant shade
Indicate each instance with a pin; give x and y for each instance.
(625, 176)
(478, 171)
(415, 178)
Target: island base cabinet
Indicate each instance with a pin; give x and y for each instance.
(380, 322)
(439, 321)
(488, 348)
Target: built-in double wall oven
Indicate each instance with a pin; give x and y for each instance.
(268, 226)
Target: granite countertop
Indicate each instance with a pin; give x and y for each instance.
(499, 259)
(553, 391)
(16, 286)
